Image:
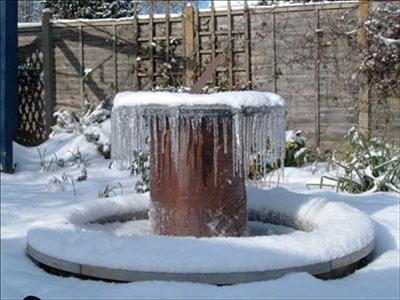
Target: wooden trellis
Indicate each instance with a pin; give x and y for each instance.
(32, 124)
(134, 53)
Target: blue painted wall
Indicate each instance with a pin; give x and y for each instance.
(8, 80)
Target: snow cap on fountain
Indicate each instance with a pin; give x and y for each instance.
(232, 99)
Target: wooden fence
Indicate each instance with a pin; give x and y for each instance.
(288, 50)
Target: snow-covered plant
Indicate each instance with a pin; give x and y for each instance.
(87, 74)
(78, 158)
(296, 150)
(60, 181)
(88, 124)
(141, 167)
(66, 121)
(46, 165)
(369, 165)
(95, 114)
(110, 190)
(82, 176)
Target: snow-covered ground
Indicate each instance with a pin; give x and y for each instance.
(32, 196)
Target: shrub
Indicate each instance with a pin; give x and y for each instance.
(296, 150)
(141, 166)
(88, 124)
(369, 165)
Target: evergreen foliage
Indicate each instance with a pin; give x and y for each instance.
(296, 150)
(141, 167)
(101, 9)
(369, 165)
(89, 9)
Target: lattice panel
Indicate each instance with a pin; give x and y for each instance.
(31, 129)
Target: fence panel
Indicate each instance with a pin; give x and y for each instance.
(288, 50)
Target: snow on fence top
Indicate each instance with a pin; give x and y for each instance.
(232, 99)
(218, 6)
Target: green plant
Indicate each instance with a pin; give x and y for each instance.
(110, 189)
(141, 166)
(76, 159)
(296, 150)
(369, 165)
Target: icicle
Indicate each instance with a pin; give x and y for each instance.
(233, 142)
(215, 148)
(173, 127)
(184, 138)
(155, 142)
(225, 134)
(195, 129)
(257, 137)
(162, 125)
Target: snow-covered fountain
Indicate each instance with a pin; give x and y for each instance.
(198, 224)
(202, 147)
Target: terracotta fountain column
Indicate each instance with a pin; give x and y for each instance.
(187, 198)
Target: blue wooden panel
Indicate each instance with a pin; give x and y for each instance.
(8, 80)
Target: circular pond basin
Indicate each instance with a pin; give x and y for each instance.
(326, 239)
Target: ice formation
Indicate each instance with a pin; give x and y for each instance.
(257, 121)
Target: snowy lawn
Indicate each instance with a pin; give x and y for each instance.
(31, 197)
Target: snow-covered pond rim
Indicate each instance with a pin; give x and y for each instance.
(334, 239)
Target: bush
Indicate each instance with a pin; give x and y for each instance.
(296, 150)
(141, 167)
(369, 165)
(88, 124)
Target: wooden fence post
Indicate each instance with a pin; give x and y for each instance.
(151, 42)
(189, 43)
(247, 44)
(48, 70)
(317, 76)
(135, 83)
(8, 82)
(82, 64)
(364, 116)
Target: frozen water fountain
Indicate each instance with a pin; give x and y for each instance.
(194, 227)
(201, 149)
